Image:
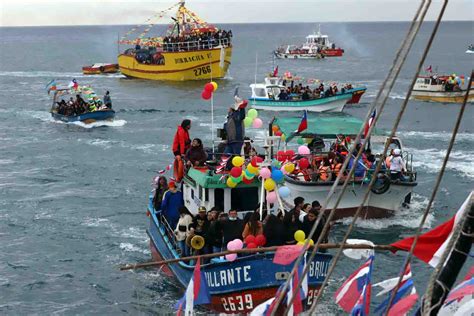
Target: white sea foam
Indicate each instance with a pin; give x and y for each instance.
(55, 74)
(133, 248)
(96, 222)
(114, 123)
(446, 136)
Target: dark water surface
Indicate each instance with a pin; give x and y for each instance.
(73, 198)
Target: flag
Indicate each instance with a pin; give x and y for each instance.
(432, 244)
(465, 288)
(429, 69)
(275, 71)
(403, 306)
(390, 284)
(73, 84)
(222, 164)
(285, 255)
(51, 86)
(369, 123)
(405, 288)
(197, 292)
(354, 294)
(304, 123)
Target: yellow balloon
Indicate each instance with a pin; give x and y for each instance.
(289, 167)
(238, 161)
(300, 243)
(283, 137)
(300, 235)
(214, 84)
(311, 242)
(269, 184)
(252, 169)
(230, 183)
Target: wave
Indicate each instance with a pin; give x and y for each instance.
(437, 135)
(114, 123)
(55, 74)
(125, 246)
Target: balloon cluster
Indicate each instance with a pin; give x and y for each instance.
(235, 244)
(271, 178)
(252, 119)
(300, 237)
(209, 88)
(240, 173)
(252, 241)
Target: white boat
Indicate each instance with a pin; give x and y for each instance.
(440, 88)
(470, 49)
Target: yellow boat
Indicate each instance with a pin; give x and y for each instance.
(441, 88)
(191, 50)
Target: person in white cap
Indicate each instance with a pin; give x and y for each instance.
(397, 166)
(234, 127)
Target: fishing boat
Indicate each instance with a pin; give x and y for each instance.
(470, 49)
(191, 50)
(100, 68)
(267, 96)
(441, 88)
(62, 111)
(386, 198)
(317, 46)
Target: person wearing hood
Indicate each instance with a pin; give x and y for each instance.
(161, 187)
(182, 142)
(397, 166)
(172, 201)
(196, 155)
(234, 127)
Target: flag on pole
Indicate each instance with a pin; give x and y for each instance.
(431, 245)
(73, 84)
(399, 303)
(354, 294)
(197, 292)
(222, 164)
(304, 122)
(429, 69)
(369, 123)
(459, 299)
(390, 284)
(51, 86)
(275, 71)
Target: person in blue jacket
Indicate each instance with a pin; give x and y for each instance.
(360, 168)
(234, 127)
(172, 201)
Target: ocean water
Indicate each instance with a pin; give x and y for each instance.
(73, 197)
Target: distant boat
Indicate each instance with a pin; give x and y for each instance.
(317, 46)
(470, 49)
(100, 68)
(191, 50)
(440, 88)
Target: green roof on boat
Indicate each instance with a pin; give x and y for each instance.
(324, 126)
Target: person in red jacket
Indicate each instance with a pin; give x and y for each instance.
(182, 142)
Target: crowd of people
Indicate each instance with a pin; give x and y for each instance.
(78, 106)
(300, 92)
(196, 41)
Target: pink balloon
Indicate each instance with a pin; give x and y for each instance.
(265, 173)
(231, 256)
(257, 123)
(239, 244)
(303, 150)
(271, 197)
(282, 169)
(231, 245)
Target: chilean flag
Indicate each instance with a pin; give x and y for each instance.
(197, 292)
(275, 71)
(304, 122)
(369, 123)
(73, 84)
(431, 245)
(354, 295)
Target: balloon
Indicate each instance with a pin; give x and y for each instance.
(300, 243)
(283, 137)
(247, 174)
(275, 128)
(289, 154)
(236, 172)
(281, 155)
(209, 87)
(252, 169)
(206, 95)
(277, 175)
(247, 181)
(284, 192)
(230, 183)
(282, 169)
(257, 123)
(252, 113)
(260, 240)
(299, 235)
(214, 85)
(252, 245)
(276, 164)
(239, 244)
(271, 197)
(250, 239)
(231, 245)
(303, 150)
(238, 161)
(231, 256)
(304, 163)
(289, 167)
(256, 160)
(269, 184)
(308, 140)
(311, 242)
(300, 141)
(248, 121)
(265, 173)
(279, 133)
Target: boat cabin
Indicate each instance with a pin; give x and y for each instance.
(267, 90)
(317, 40)
(430, 83)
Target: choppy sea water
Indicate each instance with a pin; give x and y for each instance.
(73, 197)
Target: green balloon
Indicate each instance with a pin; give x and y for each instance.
(300, 141)
(252, 113)
(248, 121)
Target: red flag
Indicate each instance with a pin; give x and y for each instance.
(369, 123)
(429, 69)
(275, 71)
(287, 254)
(304, 123)
(431, 245)
(404, 305)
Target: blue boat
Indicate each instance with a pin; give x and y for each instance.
(235, 286)
(88, 117)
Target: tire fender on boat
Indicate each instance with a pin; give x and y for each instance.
(178, 168)
(102, 68)
(382, 184)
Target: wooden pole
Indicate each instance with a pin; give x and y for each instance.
(247, 250)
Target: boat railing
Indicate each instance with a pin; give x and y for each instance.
(196, 45)
(168, 231)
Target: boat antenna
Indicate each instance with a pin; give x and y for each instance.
(212, 111)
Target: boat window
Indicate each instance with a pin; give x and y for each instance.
(199, 188)
(244, 199)
(260, 92)
(192, 194)
(219, 199)
(427, 81)
(420, 81)
(206, 194)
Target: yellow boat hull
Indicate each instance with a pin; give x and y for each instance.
(180, 66)
(444, 97)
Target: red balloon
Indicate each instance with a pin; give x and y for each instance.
(247, 181)
(260, 240)
(236, 172)
(289, 154)
(209, 87)
(281, 156)
(206, 95)
(256, 160)
(279, 133)
(252, 245)
(250, 239)
(304, 163)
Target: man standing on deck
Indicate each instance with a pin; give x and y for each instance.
(291, 220)
(107, 100)
(172, 201)
(234, 127)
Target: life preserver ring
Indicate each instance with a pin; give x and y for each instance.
(382, 184)
(102, 68)
(178, 169)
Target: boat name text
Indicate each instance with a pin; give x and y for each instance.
(227, 277)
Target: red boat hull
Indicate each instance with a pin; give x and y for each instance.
(356, 97)
(104, 69)
(332, 52)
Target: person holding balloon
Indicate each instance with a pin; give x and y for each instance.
(234, 127)
(291, 219)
